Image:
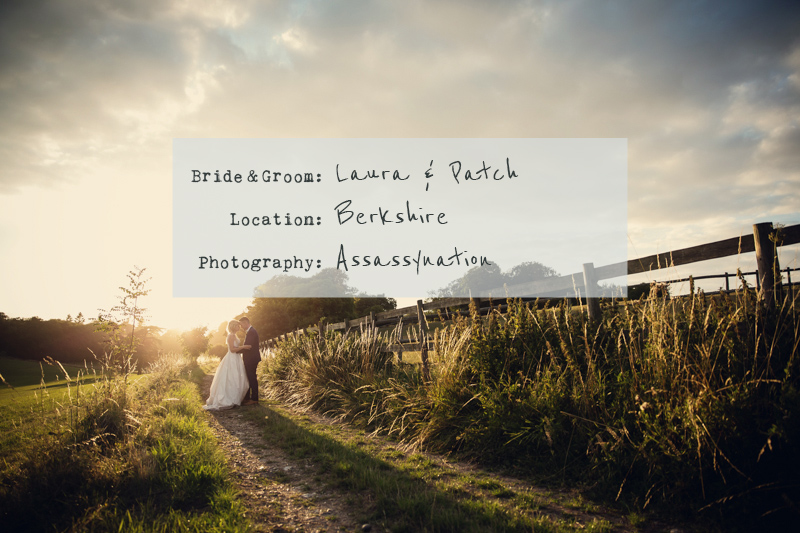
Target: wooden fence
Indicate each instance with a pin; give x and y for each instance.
(763, 241)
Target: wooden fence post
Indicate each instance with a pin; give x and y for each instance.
(423, 341)
(372, 319)
(590, 285)
(399, 339)
(766, 261)
(477, 302)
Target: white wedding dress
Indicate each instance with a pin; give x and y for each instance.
(230, 381)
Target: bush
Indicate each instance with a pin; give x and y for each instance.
(687, 403)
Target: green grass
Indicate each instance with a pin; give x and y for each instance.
(405, 492)
(22, 374)
(37, 401)
(688, 406)
(117, 455)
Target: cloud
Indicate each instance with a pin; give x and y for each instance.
(707, 93)
(83, 81)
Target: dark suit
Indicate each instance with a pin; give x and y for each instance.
(251, 357)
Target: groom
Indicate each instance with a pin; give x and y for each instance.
(251, 357)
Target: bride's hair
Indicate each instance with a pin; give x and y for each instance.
(233, 325)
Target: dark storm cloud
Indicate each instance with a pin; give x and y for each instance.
(707, 34)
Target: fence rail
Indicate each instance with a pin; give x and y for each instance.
(763, 241)
(728, 275)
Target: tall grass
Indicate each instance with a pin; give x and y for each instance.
(125, 453)
(687, 403)
(328, 373)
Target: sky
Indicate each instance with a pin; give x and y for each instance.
(92, 94)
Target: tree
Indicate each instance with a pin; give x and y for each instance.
(121, 321)
(364, 305)
(170, 342)
(195, 341)
(273, 316)
(220, 335)
(328, 281)
(63, 340)
(148, 344)
(481, 280)
(529, 271)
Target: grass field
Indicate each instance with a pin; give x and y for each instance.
(26, 375)
(124, 453)
(33, 395)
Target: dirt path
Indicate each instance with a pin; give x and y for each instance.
(286, 494)
(280, 493)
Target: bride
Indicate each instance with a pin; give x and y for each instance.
(230, 381)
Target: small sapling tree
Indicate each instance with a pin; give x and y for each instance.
(120, 323)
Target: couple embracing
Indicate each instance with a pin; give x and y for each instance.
(235, 382)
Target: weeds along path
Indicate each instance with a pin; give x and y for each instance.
(280, 493)
(305, 472)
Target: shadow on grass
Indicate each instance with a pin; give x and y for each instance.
(8, 394)
(63, 384)
(398, 499)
